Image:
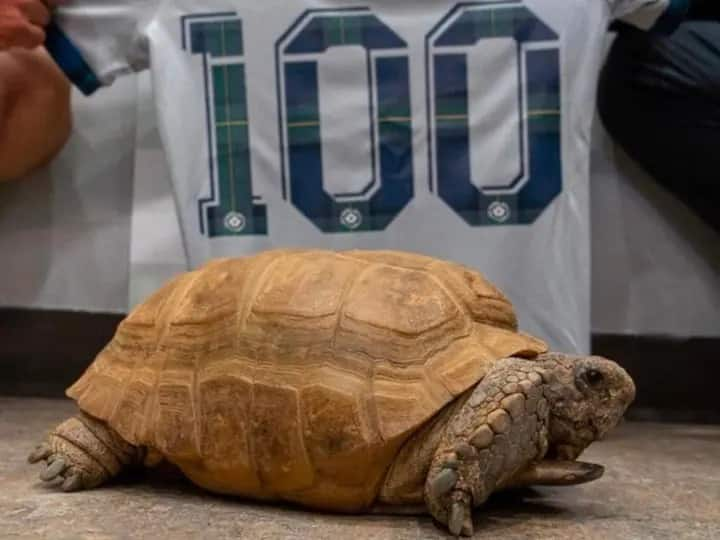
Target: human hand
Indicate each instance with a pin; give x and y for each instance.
(35, 112)
(22, 22)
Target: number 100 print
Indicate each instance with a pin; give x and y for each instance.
(492, 75)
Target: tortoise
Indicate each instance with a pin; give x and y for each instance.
(352, 381)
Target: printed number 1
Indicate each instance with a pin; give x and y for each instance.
(231, 209)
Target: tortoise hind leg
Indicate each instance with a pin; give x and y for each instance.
(83, 453)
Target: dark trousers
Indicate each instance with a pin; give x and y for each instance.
(659, 98)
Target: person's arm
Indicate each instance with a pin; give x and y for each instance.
(35, 118)
(34, 94)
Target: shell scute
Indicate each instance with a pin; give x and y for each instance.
(336, 432)
(129, 415)
(485, 302)
(299, 302)
(211, 296)
(306, 286)
(224, 430)
(175, 421)
(280, 455)
(148, 312)
(404, 301)
(401, 407)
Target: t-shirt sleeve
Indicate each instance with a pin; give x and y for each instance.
(96, 41)
(651, 15)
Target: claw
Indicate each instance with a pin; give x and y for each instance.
(55, 482)
(72, 483)
(457, 518)
(40, 453)
(54, 469)
(467, 529)
(444, 482)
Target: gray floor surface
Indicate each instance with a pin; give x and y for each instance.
(662, 482)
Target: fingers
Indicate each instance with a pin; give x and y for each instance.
(28, 37)
(35, 11)
(22, 23)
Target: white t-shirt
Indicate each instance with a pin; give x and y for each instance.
(455, 129)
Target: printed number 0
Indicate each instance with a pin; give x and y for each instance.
(539, 181)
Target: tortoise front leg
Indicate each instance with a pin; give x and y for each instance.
(498, 432)
(83, 453)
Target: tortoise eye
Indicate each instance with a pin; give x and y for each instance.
(593, 377)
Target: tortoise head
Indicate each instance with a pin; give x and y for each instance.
(588, 396)
(525, 423)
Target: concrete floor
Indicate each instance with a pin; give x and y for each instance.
(662, 482)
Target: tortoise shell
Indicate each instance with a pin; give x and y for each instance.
(298, 374)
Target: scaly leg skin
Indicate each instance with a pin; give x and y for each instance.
(500, 431)
(83, 453)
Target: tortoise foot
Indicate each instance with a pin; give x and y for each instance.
(453, 508)
(59, 472)
(67, 467)
(82, 453)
